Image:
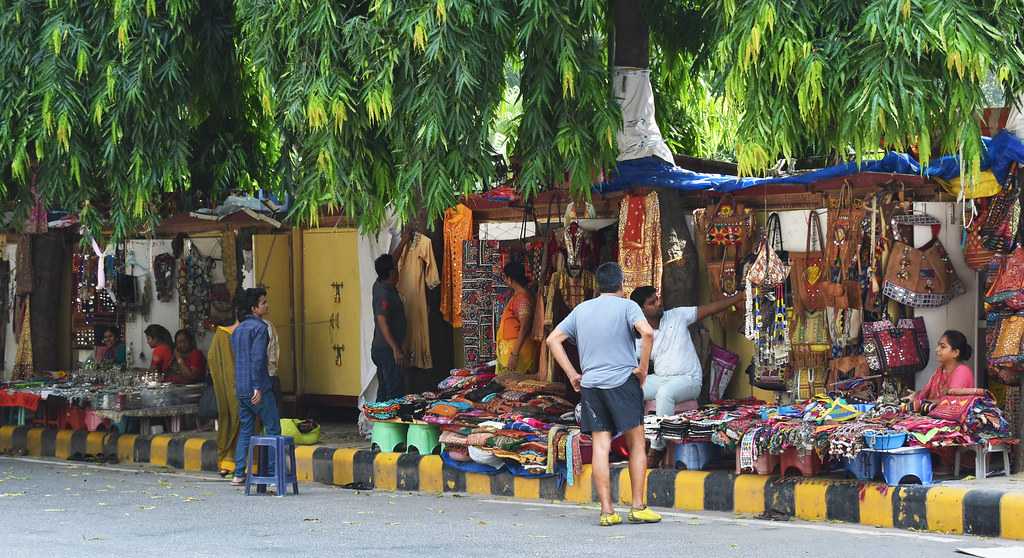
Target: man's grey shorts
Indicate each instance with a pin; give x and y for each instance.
(614, 410)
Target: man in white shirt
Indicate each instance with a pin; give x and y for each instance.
(677, 373)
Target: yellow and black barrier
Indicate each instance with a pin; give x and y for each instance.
(938, 509)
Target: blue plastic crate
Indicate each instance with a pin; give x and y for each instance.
(886, 440)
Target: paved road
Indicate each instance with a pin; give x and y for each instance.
(57, 509)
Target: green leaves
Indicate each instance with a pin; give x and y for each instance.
(841, 75)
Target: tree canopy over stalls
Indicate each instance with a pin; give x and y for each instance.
(111, 106)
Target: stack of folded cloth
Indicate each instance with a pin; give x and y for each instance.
(384, 410)
(675, 427)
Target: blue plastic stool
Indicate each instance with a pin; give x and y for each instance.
(905, 462)
(695, 455)
(865, 466)
(284, 464)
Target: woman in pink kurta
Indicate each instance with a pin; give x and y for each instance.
(952, 351)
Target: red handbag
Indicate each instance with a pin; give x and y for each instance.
(896, 346)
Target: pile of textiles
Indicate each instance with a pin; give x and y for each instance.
(512, 420)
(383, 410)
(847, 440)
(933, 433)
(460, 379)
(701, 425)
(985, 420)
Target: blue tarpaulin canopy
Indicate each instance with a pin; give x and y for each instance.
(999, 153)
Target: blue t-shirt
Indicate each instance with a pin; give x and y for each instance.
(603, 329)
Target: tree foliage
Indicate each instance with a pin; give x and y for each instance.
(111, 106)
(107, 105)
(839, 75)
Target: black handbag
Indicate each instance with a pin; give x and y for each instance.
(208, 401)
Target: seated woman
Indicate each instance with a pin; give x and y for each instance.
(517, 353)
(952, 351)
(159, 339)
(112, 350)
(190, 364)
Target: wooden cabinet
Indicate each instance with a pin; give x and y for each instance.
(272, 265)
(331, 308)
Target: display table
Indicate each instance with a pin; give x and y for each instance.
(175, 413)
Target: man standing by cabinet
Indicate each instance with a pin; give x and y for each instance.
(256, 399)
(389, 330)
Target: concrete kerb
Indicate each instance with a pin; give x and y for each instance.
(936, 509)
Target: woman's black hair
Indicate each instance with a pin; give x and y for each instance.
(160, 333)
(188, 335)
(958, 342)
(111, 329)
(516, 272)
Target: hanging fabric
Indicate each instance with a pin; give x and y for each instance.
(640, 241)
(458, 228)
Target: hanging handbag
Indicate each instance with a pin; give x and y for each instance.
(811, 347)
(723, 366)
(846, 368)
(975, 253)
(845, 231)
(1008, 349)
(1007, 290)
(921, 277)
(768, 269)
(808, 270)
(723, 278)
(729, 224)
(896, 346)
(999, 230)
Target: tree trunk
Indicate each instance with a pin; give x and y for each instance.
(632, 36)
(49, 260)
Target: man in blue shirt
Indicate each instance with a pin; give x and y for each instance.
(611, 383)
(252, 381)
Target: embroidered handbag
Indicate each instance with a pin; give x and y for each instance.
(723, 366)
(896, 347)
(722, 276)
(846, 368)
(999, 230)
(771, 378)
(921, 277)
(811, 347)
(844, 325)
(808, 270)
(1007, 291)
(1007, 351)
(975, 253)
(845, 231)
(729, 224)
(769, 268)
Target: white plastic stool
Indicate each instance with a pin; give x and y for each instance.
(981, 453)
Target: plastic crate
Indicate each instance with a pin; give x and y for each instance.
(885, 440)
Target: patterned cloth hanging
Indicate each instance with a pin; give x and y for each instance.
(484, 296)
(197, 271)
(640, 242)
